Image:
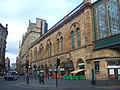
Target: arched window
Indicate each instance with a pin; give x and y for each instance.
(47, 51)
(72, 40)
(58, 42)
(50, 49)
(35, 53)
(62, 45)
(31, 56)
(41, 51)
(78, 37)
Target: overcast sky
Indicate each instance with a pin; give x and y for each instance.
(16, 13)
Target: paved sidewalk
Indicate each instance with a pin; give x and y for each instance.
(50, 84)
(35, 83)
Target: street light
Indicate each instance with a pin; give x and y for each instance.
(57, 64)
(27, 68)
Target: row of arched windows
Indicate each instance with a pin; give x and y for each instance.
(44, 52)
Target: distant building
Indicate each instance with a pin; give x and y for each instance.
(17, 64)
(3, 37)
(34, 31)
(13, 66)
(7, 63)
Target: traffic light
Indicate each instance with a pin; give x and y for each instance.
(58, 62)
(27, 64)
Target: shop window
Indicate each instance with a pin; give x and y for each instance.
(97, 68)
(111, 63)
(118, 63)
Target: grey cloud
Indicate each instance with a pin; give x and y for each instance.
(12, 47)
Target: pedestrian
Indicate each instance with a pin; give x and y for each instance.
(39, 78)
(42, 79)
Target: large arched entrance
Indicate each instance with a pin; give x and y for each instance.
(41, 69)
(69, 67)
(62, 68)
(50, 69)
(46, 71)
(80, 66)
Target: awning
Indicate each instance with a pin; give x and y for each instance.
(50, 69)
(41, 71)
(76, 71)
(62, 69)
(81, 64)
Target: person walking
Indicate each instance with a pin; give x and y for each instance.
(42, 79)
(39, 78)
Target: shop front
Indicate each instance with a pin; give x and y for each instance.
(113, 69)
(80, 68)
(69, 67)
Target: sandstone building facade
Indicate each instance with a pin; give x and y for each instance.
(34, 31)
(70, 40)
(7, 64)
(85, 39)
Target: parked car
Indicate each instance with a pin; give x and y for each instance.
(11, 75)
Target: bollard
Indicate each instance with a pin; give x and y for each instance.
(93, 81)
(35, 76)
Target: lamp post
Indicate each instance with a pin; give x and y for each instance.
(57, 64)
(27, 68)
(35, 67)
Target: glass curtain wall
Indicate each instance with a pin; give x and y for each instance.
(107, 18)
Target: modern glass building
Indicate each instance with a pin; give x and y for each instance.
(106, 19)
